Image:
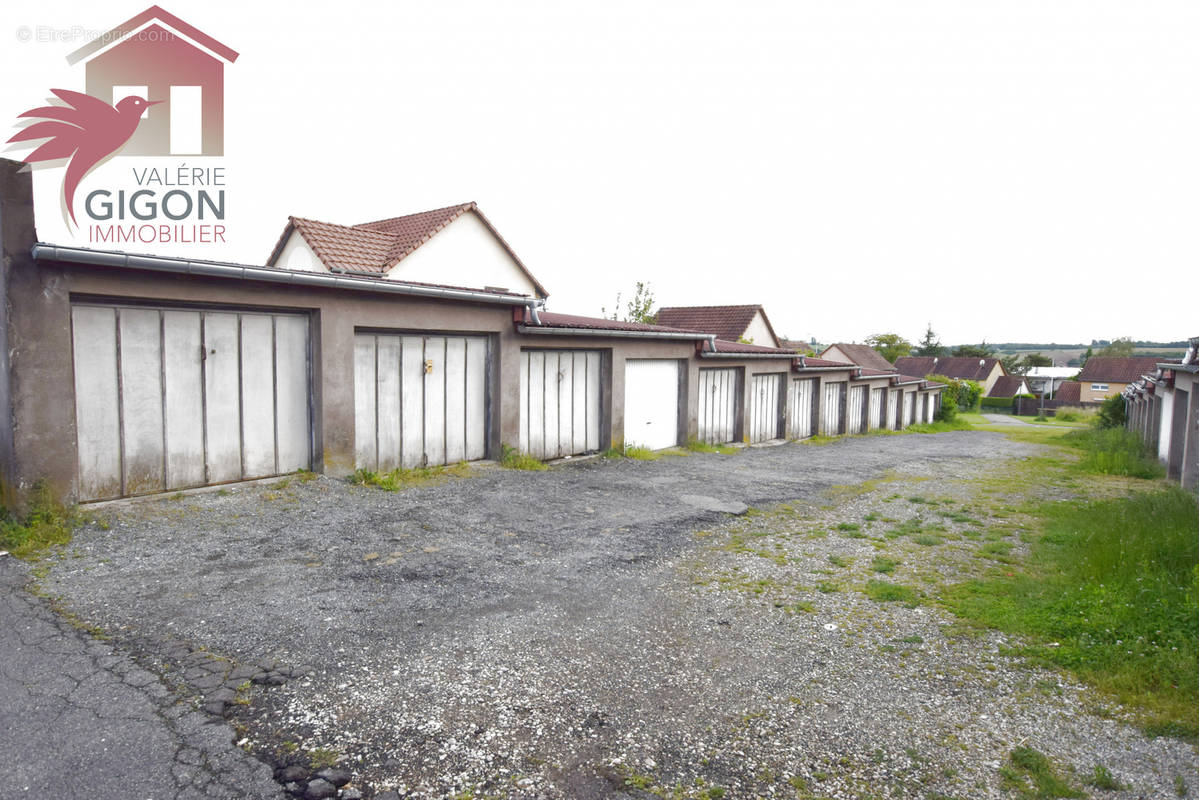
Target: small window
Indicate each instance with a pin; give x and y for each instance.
(1098, 387)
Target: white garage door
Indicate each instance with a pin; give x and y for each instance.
(830, 408)
(909, 403)
(766, 407)
(930, 407)
(559, 402)
(651, 402)
(719, 399)
(419, 400)
(893, 409)
(173, 398)
(856, 410)
(876, 408)
(801, 407)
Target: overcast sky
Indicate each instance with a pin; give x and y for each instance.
(1016, 170)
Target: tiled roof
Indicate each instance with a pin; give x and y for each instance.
(909, 379)
(373, 248)
(808, 361)
(870, 372)
(553, 320)
(726, 322)
(960, 367)
(1069, 392)
(1118, 370)
(724, 346)
(1006, 386)
(863, 355)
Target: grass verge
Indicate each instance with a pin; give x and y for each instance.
(515, 459)
(399, 479)
(1114, 451)
(47, 524)
(696, 446)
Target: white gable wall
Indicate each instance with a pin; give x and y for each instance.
(297, 255)
(466, 254)
(758, 332)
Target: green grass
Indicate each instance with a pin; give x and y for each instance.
(696, 446)
(639, 453)
(1114, 451)
(398, 479)
(47, 524)
(884, 565)
(1113, 585)
(927, 539)
(1102, 778)
(960, 423)
(1030, 775)
(886, 592)
(514, 459)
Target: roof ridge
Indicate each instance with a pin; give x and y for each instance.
(461, 207)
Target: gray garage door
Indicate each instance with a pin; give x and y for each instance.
(876, 408)
(830, 408)
(173, 398)
(855, 409)
(560, 392)
(766, 409)
(719, 400)
(802, 407)
(419, 400)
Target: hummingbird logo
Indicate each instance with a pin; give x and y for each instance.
(86, 130)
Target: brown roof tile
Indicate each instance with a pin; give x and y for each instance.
(1118, 370)
(726, 322)
(551, 319)
(863, 355)
(1069, 392)
(960, 367)
(1006, 386)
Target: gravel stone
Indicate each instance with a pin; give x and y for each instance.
(336, 776)
(320, 789)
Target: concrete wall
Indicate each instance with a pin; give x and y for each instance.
(1189, 382)
(16, 237)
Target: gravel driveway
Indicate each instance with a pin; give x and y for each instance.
(593, 631)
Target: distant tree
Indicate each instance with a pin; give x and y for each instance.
(1037, 360)
(974, 350)
(639, 309)
(890, 345)
(1119, 348)
(1013, 364)
(930, 345)
(1082, 362)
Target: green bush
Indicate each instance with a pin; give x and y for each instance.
(966, 394)
(997, 402)
(1111, 413)
(1114, 451)
(47, 524)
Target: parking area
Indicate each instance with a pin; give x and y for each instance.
(588, 631)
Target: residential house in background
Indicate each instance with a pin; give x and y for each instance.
(986, 371)
(1046, 380)
(1009, 386)
(1069, 393)
(861, 354)
(731, 323)
(1104, 376)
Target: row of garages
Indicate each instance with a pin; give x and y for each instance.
(131, 375)
(1163, 408)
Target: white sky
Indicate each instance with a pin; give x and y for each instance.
(1019, 170)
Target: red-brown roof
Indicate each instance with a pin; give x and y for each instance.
(960, 367)
(1069, 392)
(726, 322)
(550, 319)
(152, 13)
(808, 361)
(725, 346)
(1110, 369)
(373, 248)
(870, 372)
(863, 355)
(1006, 386)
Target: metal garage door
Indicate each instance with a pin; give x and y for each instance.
(893, 402)
(559, 402)
(719, 400)
(909, 403)
(876, 408)
(930, 407)
(830, 408)
(766, 407)
(651, 402)
(801, 402)
(419, 400)
(856, 410)
(172, 398)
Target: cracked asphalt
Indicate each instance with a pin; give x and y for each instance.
(82, 720)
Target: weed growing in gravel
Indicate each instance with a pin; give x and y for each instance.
(927, 539)
(849, 526)
(1180, 786)
(639, 453)
(398, 479)
(886, 592)
(884, 565)
(514, 459)
(47, 524)
(1030, 775)
(1102, 778)
(828, 587)
(1113, 586)
(839, 561)
(322, 757)
(696, 446)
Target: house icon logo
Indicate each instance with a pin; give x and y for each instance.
(157, 56)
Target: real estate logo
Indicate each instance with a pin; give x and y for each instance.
(154, 92)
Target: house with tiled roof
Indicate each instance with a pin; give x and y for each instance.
(1103, 376)
(985, 371)
(1009, 386)
(454, 246)
(1069, 393)
(731, 323)
(861, 354)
